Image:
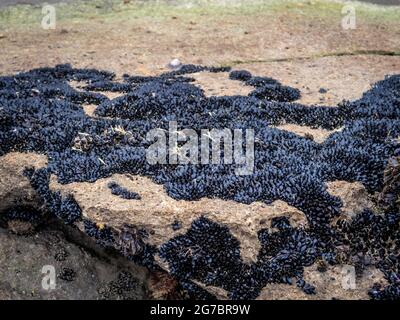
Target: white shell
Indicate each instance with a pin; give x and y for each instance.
(175, 63)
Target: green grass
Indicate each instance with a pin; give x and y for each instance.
(114, 10)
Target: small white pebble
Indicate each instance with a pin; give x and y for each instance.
(175, 64)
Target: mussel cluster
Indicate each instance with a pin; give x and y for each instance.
(40, 111)
(124, 193)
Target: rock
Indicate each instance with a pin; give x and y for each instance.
(353, 195)
(23, 257)
(15, 188)
(20, 227)
(318, 135)
(329, 284)
(156, 212)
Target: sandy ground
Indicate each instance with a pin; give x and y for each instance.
(293, 44)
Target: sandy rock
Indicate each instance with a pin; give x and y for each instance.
(354, 196)
(318, 135)
(156, 211)
(22, 259)
(330, 284)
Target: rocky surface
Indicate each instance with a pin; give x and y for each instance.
(330, 284)
(15, 189)
(136, 216)
(156, 213)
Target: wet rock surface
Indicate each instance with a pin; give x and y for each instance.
(237, 233)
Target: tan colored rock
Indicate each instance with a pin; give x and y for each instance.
(354, 196)
(156, 211)
(318, 135)
(329, 284)
(89, 109)
(15, 188)
(218, 292)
